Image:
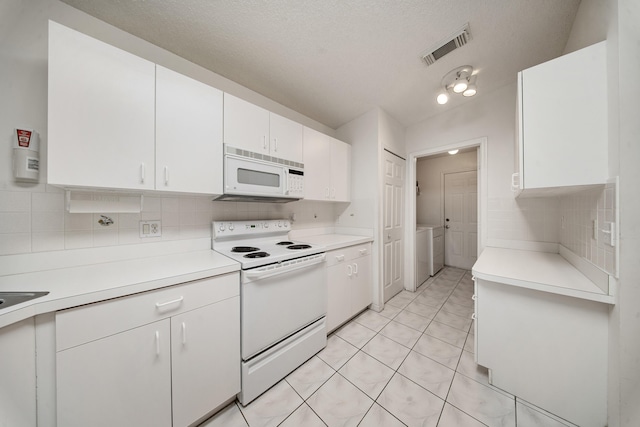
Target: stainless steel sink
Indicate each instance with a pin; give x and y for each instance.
(7, 299)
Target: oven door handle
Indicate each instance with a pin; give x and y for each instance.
(284, 267)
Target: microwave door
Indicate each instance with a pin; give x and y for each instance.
(252, 178)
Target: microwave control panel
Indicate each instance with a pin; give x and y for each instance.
(295, 186)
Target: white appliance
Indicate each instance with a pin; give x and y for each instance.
(422, 256)
(250, 176)
(433, 239)
(283, 296)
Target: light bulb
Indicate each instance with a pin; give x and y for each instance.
(442, 98)
(460, 85)
(470, 91)
(452, 152)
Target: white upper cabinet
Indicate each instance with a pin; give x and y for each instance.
(255, 129)
(188, 134)
(327, 170)
(118, 121)
(285, 138)
(562, 112)
(101, 107)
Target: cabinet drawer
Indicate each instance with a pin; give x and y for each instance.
(79, 325)
(340, 256)
(359, 251)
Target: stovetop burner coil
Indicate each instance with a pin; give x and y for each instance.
(299, 247)
(244, 249)
(257, 255)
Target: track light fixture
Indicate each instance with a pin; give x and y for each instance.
(461, 80)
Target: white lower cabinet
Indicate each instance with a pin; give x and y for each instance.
(159, 358)
(348, 283)
(548, 349)
(121, 380)
(18, 383)
(205, 360)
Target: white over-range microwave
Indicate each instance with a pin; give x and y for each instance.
(250, 176)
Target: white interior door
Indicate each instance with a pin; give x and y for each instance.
(393, 225)
(461, 219)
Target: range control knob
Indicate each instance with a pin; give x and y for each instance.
(279, 223)
(266, 225)
(221, 227)
(230, 227)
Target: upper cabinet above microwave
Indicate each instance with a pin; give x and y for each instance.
(255, 129)
(562, 123)
(118, 121)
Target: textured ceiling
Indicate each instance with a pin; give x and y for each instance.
(333, 60)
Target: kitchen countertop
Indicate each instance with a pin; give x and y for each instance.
(334, 241)
(100, 280)
(542, 271)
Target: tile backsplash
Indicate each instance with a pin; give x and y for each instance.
(32, 221)
(524, 219)
(579, 211)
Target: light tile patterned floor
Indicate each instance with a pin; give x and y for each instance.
(412, 364)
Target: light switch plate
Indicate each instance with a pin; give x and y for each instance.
(150, 228)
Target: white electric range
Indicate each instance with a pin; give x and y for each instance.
(283, 298)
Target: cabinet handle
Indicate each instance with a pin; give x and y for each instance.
(349, 270)
(275, 144)
(326, 192)
(142, 173)
(339, 258)
(363, 251)
(157, 343)
(184, 333)
(515, 182)
(355, 268)
(166, 175)
(333, 193)
(162, 304)
(264, 142)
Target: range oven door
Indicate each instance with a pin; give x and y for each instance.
(279, 300)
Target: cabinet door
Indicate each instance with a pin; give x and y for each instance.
(340, 171)
(338, 295)
(564, 132)
(188, 134)
(18, 359)
(101, 114)
(246, 125)
(361, 284)
(285, 138)
(317, 155)
(121, 380)
(205, 349)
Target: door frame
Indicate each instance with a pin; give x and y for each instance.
(410, 206)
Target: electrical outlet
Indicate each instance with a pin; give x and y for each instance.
(150, 228)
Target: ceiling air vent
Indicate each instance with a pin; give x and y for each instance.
(449, 44)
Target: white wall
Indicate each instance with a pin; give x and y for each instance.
(589, 26)
(429, 173)
(625, 322)
(32, 216)
(492, 115)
